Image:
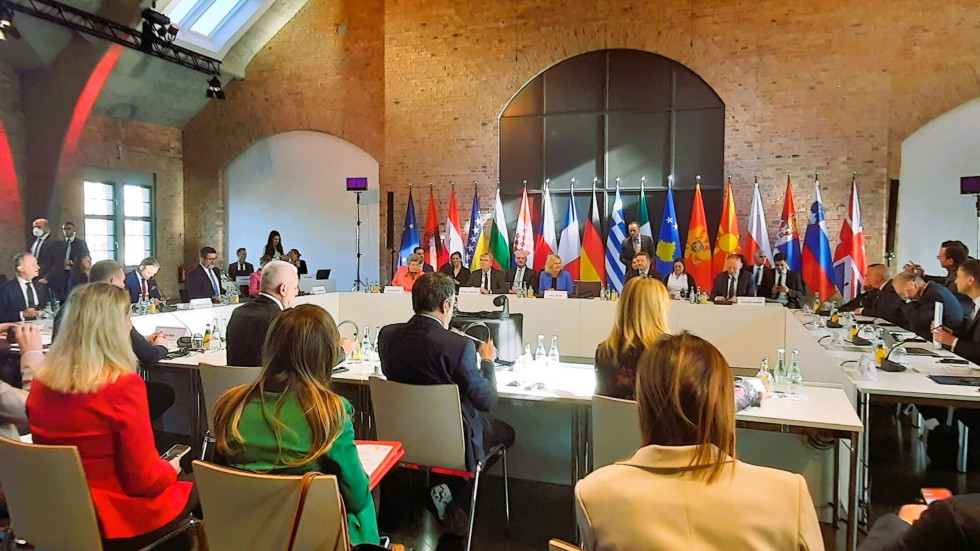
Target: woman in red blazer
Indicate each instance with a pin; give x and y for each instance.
(87, 394)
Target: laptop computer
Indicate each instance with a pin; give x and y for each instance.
(323, 274)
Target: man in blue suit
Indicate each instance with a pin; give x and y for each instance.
(204, 281)
(424, 352)
(140, 282)
(22, 298)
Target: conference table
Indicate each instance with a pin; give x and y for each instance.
(551, 407)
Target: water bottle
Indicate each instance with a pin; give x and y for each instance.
(553, 352)
(539, 354)
(779, 376)
(764, 375)
(795, 376)
(216, 336)
(366, 351)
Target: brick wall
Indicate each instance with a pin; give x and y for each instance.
(310, 76)
(13, 237)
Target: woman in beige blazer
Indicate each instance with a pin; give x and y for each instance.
(685, 489)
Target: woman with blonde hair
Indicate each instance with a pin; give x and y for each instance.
(641, 318)
(87, 394)
(289, 421)
(554, 278)
(685, 488)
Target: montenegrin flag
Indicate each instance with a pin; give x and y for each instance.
(788, 236)
(726, 242)
(435, 255)
(454, 237)
(697, 251)
(850, 258)
(546, 242)
(757, 238)
(499, 246)
(524, 236)
(818, 265)
(669, 241)
(615, 271)
(570, 242)
(593, 265)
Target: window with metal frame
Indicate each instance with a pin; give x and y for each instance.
(119, 221)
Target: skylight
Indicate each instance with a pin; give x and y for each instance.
(219, 10)
(213, 26)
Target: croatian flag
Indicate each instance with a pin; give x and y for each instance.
(818, 264)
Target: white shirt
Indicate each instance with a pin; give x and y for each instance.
(36, 249)
(781, 281)
(676, 283)
(214, 280)
(68, 243)
(273, 298)
(23, 290)
(518, 278)
(758, 275)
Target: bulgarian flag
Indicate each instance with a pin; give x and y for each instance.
(454, 237)
(727, 241)
(499, 247)
(697, 251)
(592, 266)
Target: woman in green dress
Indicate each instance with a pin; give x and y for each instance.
(289, 421)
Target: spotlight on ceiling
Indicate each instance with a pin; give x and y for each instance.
(7, 27)
(214, 88)
(158, 24)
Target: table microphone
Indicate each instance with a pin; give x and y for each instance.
(890, 365)
(501, 300)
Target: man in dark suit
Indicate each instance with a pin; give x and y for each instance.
(920, 298)
(64, 252)
(141, 284)
(762, 275)
(22, 298)
(489, 281)
(149, 350)
(423, 352)
(204, 281)
(240, 268)
(965, 341)
(521, 273)
(635, 243)
(426, 267)
(786, 286)
(641, 268)
(43, 248)
(733, 282)
(879, 299)
(250, 322)
(951, 255)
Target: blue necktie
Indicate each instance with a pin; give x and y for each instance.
(214, 282)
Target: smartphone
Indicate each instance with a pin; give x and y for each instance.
(935, 494)
(177, 451)
(953, 361)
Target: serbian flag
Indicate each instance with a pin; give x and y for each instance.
(593, 265)
(850, 258)
(614, 241)
(524, 237)
(498, 237)
(757, 238)
(726, 242)
(435, 255)
(454, 237)
(570, 243)
(546, 243)
(697, 251)
(410, 235)
(788, 236)
(818, 264)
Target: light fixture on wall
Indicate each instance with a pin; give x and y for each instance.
(7, 27)
(214, 88)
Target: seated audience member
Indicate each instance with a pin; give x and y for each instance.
(87, 394)
(733, 282)
(273, 247)
(679, 281)
(785, 286)
(289, 421)
(642, 268)
(12, 399)
(295, 260)
(426, 267)
(879, 299)
(641, 318)
(553, 277)
(141, 282)
(520, 274)
(79, 272)
(22, 298)
(149, 350)
(455, 269)
(255, 279)
(489, 280)
(948, 524)
(424, 352)
(240, 268)
(250, 322)
(762, 274)
(406, 275)
(920, 298)
(965, 341)
(672, 492)
(204, 281)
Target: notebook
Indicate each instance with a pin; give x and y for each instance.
(378, 457)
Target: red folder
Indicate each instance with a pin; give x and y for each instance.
(375, 465)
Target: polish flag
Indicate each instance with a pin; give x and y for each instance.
(758, 235)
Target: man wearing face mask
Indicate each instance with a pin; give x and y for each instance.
(920, 298)
(43, 248)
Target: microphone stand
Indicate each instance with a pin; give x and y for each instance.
(357, 281)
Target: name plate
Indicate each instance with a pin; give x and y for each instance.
(555, 294)
(469, 291)
(306, 276)
(752, 301)
(172, 333)
(242, 280)
(201, 303)
(394, 289)
(318, 290)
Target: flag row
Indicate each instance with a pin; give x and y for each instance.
(590, 256)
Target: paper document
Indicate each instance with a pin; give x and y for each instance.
(372, 455)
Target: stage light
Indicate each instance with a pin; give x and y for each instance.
(214, 88)
(7, 27)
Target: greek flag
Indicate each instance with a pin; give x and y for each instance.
(614, 241)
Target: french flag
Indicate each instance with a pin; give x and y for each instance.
(818, 263)
(570, 242)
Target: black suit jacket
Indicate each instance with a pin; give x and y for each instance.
(464, 274)
(968, 345)
(764, 289)
(427, 268)
(59, 278)
(626, 252)
(497, 282)
(147, 354)
(949, 524)
(744, 286)
(797, 289)
(199, 284)
(651, 272)
(133, 286)
(919, 313)
(47, 258)
(422, 352)
(530, 277)
(246, 331)
(12, 301)
(881, 303)
(234, 272)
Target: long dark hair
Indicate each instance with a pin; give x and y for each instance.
(275, 251)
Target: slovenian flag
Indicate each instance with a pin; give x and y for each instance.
(818, 264)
